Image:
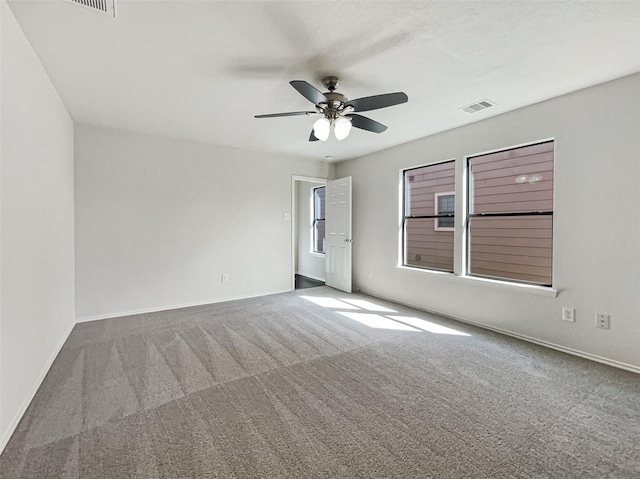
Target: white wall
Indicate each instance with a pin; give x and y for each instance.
(36, 239)
(308, 264)
(596, 264)
(158, 221)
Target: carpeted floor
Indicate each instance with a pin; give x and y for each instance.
(320, 384)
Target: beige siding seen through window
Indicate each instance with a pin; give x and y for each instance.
(319, 219)
(517, 181)
(424, 245)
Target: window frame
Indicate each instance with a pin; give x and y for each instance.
(403, 213)
(315, 220)
(468, 215)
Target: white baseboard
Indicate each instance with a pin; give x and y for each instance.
(557, 347)
(121, 314)
(16, 420)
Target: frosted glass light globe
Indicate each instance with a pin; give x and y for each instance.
(341, 128)
(321, 129)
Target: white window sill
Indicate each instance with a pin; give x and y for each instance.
(491, 283)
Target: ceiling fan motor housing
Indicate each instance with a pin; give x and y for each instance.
(334, 105)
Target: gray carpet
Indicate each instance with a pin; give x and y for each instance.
(280, 386)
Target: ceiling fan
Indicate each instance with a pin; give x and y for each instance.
(338, 111)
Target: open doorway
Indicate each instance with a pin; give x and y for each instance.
(308, 232)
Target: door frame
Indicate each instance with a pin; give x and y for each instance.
(294, 218)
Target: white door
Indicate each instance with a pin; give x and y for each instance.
(338, 234)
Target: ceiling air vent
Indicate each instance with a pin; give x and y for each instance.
(480, 105)
(102, 6)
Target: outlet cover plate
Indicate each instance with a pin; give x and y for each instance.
(602, 321)
(569, 314)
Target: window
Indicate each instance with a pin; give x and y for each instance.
(318, 219)
(445, 205)
(428, 216)
(510, 214)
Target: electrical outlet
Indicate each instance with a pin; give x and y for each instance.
(225, 278)
(569, 314)
(602, 321)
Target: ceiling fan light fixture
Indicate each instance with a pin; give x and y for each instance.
(337, 110)
(342, 128)
(321, 129)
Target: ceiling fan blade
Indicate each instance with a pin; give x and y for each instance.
(308, 91)
(290, 113)
(312, 136)
(365, 123)
(378, 101)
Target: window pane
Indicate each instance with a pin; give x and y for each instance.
(318, 219)
(512, 247)
(520, 181)
(318, 236)
(428, 242)
(445, 204)
(445, 222)
(512, 181)
(318, 202)
(426, 247)
(422, 183)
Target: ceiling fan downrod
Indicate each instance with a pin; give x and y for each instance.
(330, 82)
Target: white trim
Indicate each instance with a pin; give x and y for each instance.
(512, 286)
(170, 307)
(512, 147)
(461, 236)
(421, 165)
(309, 179)
(557, 347)
(491, 283)
(401, 197)
(16, 420)
(447, 274)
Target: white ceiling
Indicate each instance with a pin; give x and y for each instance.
(202, 69)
